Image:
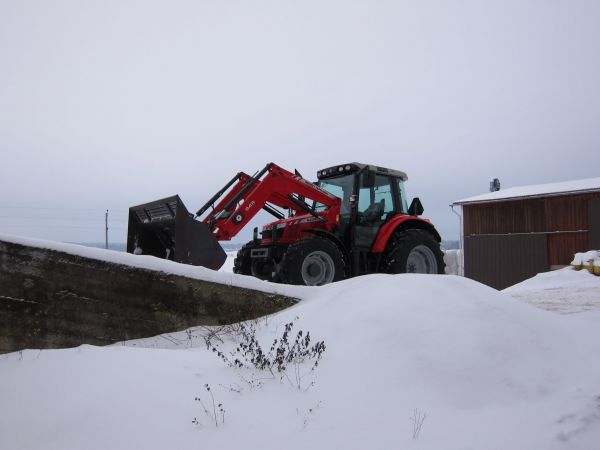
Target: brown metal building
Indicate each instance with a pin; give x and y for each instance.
(511, 235)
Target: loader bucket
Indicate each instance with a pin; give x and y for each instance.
(165, 229)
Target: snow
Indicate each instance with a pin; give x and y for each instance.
(565, 291)
(486, 370)
(228, 265)
(588, 184)
(151, 263)
(452, 259)
(590, 258)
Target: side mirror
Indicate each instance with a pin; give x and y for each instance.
(416, 207)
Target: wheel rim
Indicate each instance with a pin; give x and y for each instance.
(421, 260)
(318, 269)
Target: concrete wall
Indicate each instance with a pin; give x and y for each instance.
(50, 299)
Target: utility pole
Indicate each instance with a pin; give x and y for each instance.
(106, 230)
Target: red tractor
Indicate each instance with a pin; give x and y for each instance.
(355, 220)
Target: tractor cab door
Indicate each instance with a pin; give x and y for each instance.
(378, 200)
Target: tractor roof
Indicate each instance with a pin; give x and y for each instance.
(359, 167)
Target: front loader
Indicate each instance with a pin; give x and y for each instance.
(165, 229)
(353, 221)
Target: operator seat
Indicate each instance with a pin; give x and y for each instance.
(374, 212)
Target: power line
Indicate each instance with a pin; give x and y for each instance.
(60, 208)
(88, 227)
(61, 218)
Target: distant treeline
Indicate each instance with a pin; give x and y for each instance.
(119, 246)
(450, 245)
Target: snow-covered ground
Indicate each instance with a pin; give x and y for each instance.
(228, 266)
(474, 367)
(565, 291)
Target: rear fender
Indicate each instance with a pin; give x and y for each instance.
(401, 222)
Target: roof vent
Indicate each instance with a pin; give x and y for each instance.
(495, 185)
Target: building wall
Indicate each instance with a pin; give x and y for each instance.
(569, 224)
(522, 216)
(568, 213)
(594, 223)
(503, 260)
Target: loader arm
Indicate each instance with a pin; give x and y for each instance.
(164, 228)
(272, 186)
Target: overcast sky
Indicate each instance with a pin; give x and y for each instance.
(108, 104)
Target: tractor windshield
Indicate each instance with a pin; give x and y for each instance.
(341, 187)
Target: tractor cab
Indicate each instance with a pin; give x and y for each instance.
(371, 195)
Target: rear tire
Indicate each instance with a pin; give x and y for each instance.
(312, 261)
(413, 251)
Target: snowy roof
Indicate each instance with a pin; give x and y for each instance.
(538, 190)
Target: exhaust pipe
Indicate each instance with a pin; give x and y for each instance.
(164, 228)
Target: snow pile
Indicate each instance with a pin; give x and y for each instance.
(452, 260)
(587, 260)
(228, 265)
(483, 370)
(565, 291)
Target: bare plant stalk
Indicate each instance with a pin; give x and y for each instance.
(198, 399)
(212, 416)
(214, 407)
(417, 419)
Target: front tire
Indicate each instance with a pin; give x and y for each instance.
(242, 263)
(414, 251)
(262, 268)
(312, 261)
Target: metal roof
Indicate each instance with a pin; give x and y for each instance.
(533, 191)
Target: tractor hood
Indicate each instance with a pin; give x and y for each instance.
(289, 230)
(291, 221)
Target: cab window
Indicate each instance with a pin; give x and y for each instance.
(342, 188)
(376, 201)
(403, 201)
